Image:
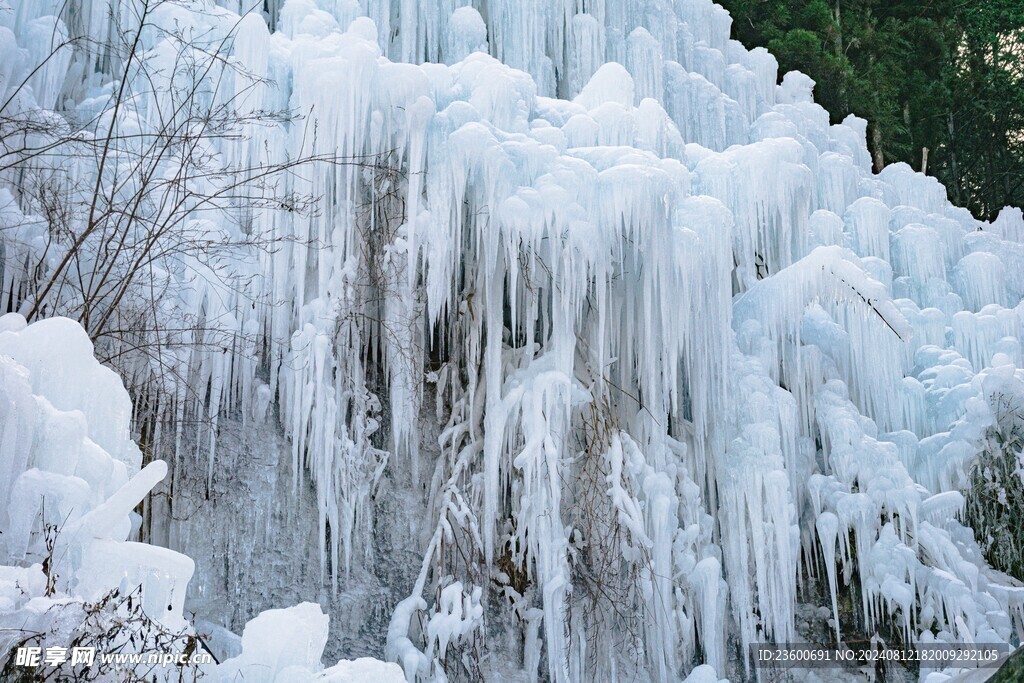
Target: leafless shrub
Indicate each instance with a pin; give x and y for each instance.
(605, 603)
(117, 626)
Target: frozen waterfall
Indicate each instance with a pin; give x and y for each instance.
(654, 355)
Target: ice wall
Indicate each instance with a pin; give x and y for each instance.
(66, 521)
(70, 484)
(669, 314)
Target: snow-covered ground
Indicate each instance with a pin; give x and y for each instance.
(600, 354)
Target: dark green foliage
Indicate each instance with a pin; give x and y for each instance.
(946, 75)
(1012, 671)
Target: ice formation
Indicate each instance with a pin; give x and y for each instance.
(286, 645)
(687, 352)
(72, 479)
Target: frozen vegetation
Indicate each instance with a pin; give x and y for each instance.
(577, 347)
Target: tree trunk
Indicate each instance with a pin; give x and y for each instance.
(876, 148)
(838, 44)
(953, 164)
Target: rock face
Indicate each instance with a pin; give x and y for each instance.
(564, 341)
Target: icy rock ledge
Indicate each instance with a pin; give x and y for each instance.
(70, 479)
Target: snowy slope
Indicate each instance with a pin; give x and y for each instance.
(686, 351)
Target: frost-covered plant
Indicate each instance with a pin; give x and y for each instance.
(442, 641)
(606, 558)
(51, 532)
(995, 497)
(115, 625)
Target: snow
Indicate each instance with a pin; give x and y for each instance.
(66, 474)
(605, 246)
(280, 640)
(286, 645)
(56, 485)
(361, 669)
